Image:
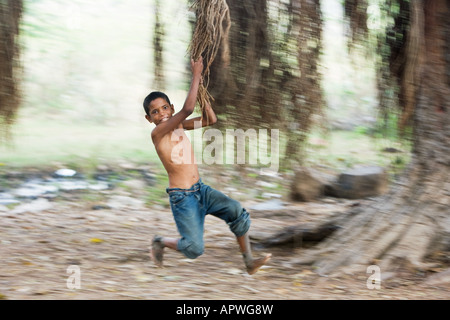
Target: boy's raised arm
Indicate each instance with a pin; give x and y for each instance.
(208, 118)
(189, 104)
(191, 99)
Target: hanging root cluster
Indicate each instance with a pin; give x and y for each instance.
(210, 33)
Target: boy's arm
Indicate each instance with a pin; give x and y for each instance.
(208, 118)
(163, 128)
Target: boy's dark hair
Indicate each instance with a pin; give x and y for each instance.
(152, 96)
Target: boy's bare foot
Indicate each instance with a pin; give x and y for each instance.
(254, 266)
(157, 251)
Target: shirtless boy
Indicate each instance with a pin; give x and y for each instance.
(190, 199)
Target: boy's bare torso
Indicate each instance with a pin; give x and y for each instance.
(176, 154)
(171, 143)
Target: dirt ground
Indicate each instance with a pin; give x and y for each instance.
(44, 249)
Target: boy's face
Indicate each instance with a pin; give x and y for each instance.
(160, 111)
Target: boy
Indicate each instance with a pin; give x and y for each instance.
(190, 199)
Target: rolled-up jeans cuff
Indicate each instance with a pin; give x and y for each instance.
(241, 225)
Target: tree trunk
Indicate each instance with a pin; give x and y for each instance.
(10, 13)
(305, 91)
(412, 221)
(158, 50)
(240, 86)
(272, 79)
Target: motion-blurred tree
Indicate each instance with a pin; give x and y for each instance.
(305, 91)
(10, 13)
(239, 89)
(158, 49)
(271, 79)
(410, 223)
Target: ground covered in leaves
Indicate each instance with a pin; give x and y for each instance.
(103, 236)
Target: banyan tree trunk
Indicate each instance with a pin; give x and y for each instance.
(412, 221)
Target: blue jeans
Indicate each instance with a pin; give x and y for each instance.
(189, 208)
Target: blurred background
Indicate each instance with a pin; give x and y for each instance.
(85, 69)
(350, 85)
